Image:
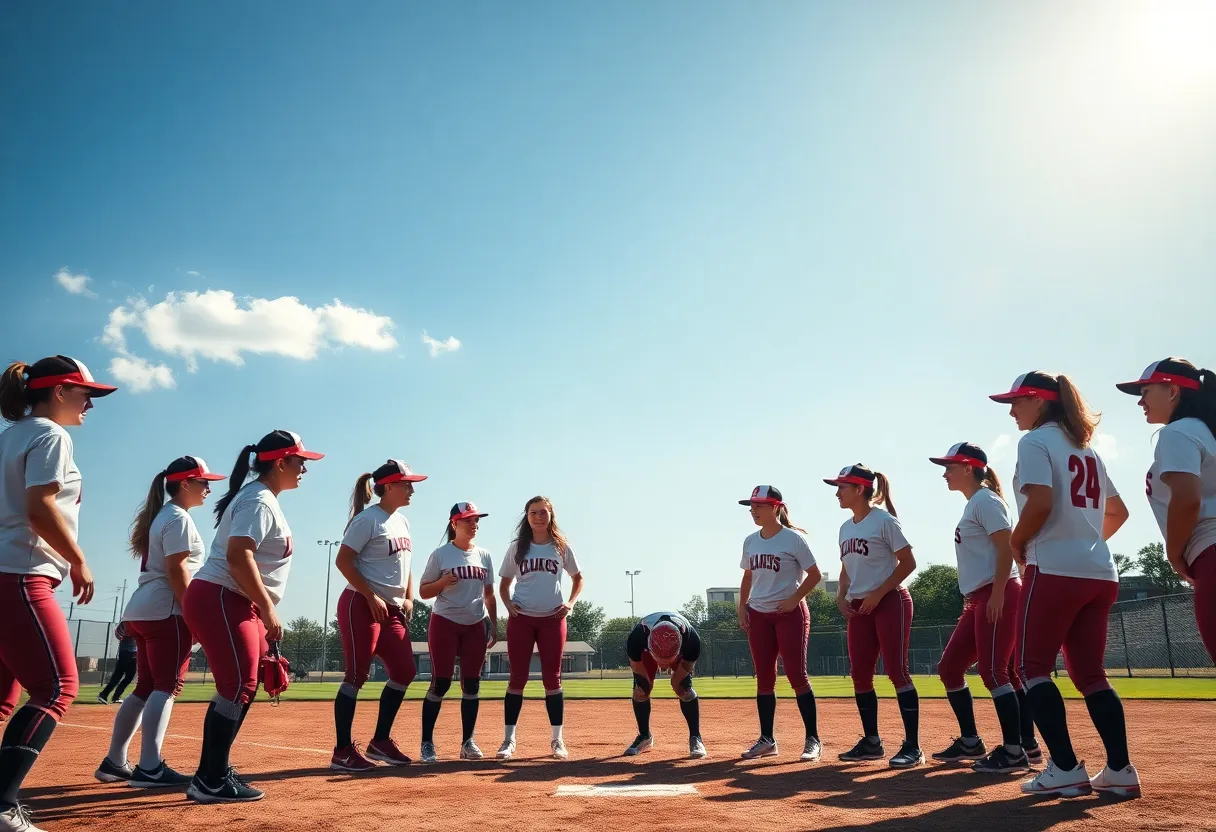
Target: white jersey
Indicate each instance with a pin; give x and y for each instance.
(867, 551)
(777, 565)
(171, 533)
(382, 541)
(984, 515)
(35, 451)
(254, 513)
(464, 601)
(1186, 447)
(1070, 542)
(538, 580)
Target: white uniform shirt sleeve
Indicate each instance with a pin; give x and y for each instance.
(508, 568)
(431, 571)
(993, 516)
(893, 534)
(48, 460)
(487, 563)
(1034, 461)
(745, 562)
(801, 550)
(252, 519)
(175, 536)
(358, 533)
(1111, 491)
(570, 562)
(1178, 453)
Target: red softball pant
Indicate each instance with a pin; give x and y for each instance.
(785, 634)
(233, 637)
(977, 640)
(164, 655)
(35, 649)
(885, 630)
(10, 690)
(1056, 612)
(1203, 570)
(447, 640)
(363, 637)
(548, 634)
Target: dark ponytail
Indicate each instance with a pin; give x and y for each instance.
(362, 496)
(880, 492)
(783, 517)
(987, 478)
(144, 517)
(1195, 404)
(15, 399)
(240, 473)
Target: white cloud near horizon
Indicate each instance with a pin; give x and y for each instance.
(74, 284)
(438, 348)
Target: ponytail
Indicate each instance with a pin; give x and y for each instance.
(783, 517)
(1072, 413)
(361, 497)
(14, 398)
(143, 519)
(987, 478)
(1196, 404)
(880, 492)
(240, 473)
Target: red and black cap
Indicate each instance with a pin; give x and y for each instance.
(665, 642)
(964, 453)
(766, 494)
(395, 471)
(854, 475)
(1166, 371)
(190, 468)
(463, 511)
(1035, 385)
(59, 369)
(280, 444)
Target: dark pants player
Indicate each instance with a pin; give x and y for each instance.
(647, 653)
(126, 665)
(447, 640)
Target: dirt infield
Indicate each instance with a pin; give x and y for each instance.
(285, 750)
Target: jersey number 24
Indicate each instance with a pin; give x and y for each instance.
(1086, 487)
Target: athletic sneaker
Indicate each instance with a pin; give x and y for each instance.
(812, 750)
(118, 701)
(160, 777)
(101, 700)
(350, 759)
(17, 819)
(909, 756)
(386, 751)
(1054, 781)
(107, 772)
(866, 749)
(1001, 761)
(763, 747)
(470, 751)
(505, 751)
(696, 749)
(1034, 753)
(559, 749)
(232, 772)
(1123, 783)
(961, 750)
(640, 745)
(429, 754)
(230, 790)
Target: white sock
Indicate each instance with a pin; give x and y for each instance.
(510, 734)
(155, 726)
(125, 722)
(557, 731)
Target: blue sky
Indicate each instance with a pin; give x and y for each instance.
(685, 248)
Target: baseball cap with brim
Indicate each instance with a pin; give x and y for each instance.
(395, 471)
(1035, 384)
(665, 642)
(59, 369)
(1166, 371)
(463, 511)
(853, 475)
(280, 444)
(190, 468)
(765, 494)
(964, 453)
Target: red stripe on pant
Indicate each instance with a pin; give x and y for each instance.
(1203, 570)
(1057, 612)
(447, 639)
(977, 641)
(886, 631)
(784, 634)
(164, 655)
(232, 635)
(36, 648)
(548, 634)
(363, 638)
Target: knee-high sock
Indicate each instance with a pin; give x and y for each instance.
(810, 716)
(692, 715)
(867, 707)
(157, 712)
(25, 736)
(1106, 710)
(766, 709)
(1052, 719)
(390, 703)
(344, 714)
(909, 710)
(125, 723)
(964, 712)
(641, 712)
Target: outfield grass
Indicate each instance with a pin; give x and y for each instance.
(720, 688)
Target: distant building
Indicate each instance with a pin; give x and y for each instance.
(730, 594)
(1138, 588)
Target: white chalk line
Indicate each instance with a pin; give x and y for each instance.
(200, 739)
(623, 790)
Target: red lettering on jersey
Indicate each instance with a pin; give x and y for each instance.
(958, 535)
(531, 565)
(855, 546)
(398, 544)
(470, 573)
(1084, 476)
(287, 550)
(766, 561)
(1148, 483)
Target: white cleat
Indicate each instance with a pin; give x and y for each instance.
(428, 753)
(470, 751)
(505, 751)
(763, 747)
(640, 745)
(811, 751)
(559, 749)
(17, 819)
(696, 749)
(1054, 781)
(1123, 783)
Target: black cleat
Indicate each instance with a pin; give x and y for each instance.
(866, 749)
(230, 790)
(1001, 761)
(960, 750)
(909, 756)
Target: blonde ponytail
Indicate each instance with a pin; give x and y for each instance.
(361, 496)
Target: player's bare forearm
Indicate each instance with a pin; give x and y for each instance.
(1004, 560)
(813, 576)
(904, 567)
(1181, 516)
(491, 607)
(745, 588)
(430, 589)
(576, 588)
(1115, 516)
(1033, 515)
(345, 561)
(409, 588)
(504, 591)
(47, 522)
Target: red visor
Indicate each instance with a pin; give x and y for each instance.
(283, 453)
(1158, 378)
(958, 459)
(195, 474)
(1026, 393)
(76, 379)
(862, 481)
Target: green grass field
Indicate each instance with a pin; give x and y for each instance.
(719, 688)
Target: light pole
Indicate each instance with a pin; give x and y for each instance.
(329, 544)
(632, 612)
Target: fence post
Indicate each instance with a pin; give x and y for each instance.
(710, 645)
(1126, 659)
(844, 652)
(76, 649)
(1169, 648)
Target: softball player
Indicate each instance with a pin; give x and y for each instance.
(126, 665)
(779, 571)
(1181, 484)
(230, 604)
(985, 631)
(40, 491)
(664, 640)
(534, 562)
(460, 577)
(374, 610)
(875, 560)
(170, 551)
(1067, 509)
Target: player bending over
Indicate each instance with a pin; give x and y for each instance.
(664, 640)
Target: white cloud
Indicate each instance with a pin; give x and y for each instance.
(192, 273)
(1106, 446)
(438, 348)
(74, 284)
(138, 375)
(999, 450)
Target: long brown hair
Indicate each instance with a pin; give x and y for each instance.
(1072, 413)
(880, 492)
(155, 501)
(783, 517)
(362, 495)
(523, 534)
(987, 478)
(16, 400)
(1197, 404)
(236, 481)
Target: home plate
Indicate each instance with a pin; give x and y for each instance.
(653, 790)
